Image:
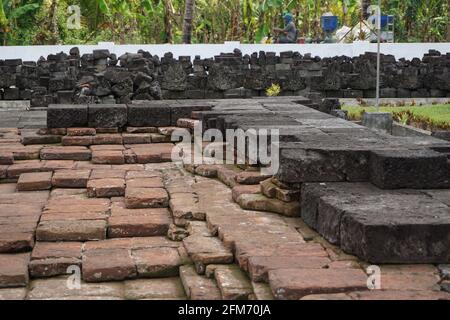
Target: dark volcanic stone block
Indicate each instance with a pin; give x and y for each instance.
(379, 226)
(396, 228)
(415, 169)
(107, 115)
(323, 165)
(148, 115)
(11, 94)
(67, 116)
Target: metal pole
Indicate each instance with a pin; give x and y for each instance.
(378, 56)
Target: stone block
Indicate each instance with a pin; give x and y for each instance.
(67, 116)
(107, 115)
(149, 115)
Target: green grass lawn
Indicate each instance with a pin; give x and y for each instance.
(433, 117)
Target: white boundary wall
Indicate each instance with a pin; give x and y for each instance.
(399, 50)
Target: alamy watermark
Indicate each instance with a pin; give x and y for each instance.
(251, 147)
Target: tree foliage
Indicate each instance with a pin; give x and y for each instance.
(24, 22)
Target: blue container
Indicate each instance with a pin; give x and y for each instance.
(329, 23)
(384, 21)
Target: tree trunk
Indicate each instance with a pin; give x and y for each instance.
(167, 21)
(188, 19)
(365, 4)
(54, 22)
(448, 27)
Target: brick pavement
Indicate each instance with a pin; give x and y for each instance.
(140, 227)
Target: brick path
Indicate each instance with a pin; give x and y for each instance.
(141, 227)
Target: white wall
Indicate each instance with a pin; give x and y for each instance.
(399, 50)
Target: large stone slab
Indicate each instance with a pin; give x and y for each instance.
(415, 169)
(148, 115)
(380, 226)
(107, 115)
(67, 116)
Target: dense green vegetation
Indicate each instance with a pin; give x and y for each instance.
(425, 117)
(24, 22)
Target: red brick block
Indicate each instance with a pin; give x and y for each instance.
(136, 138)
(142, 130)
(77, 141)
(106, 188)
(35, 181)
(108, 265)
(52, 259)
(67, 230)
(107, 174)
(13, 270)
(25, 166)
(136, 198)
(108, 157)
(13, 242)
(81, 131)
(147, 224)
(155, 182)
(153, 153)
(107, 139)
(294, 284)
(157, 262)
(71, 178)
(6, 158)
(66, 153)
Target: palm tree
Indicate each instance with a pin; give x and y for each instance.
(188, 19)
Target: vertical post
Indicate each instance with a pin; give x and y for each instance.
(378, 56)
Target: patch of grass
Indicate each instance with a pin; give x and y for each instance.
(433, 117)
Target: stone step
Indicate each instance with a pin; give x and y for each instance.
(198, 287)
(232, 282)
(355, 215)
(205, 251)
(187, 123)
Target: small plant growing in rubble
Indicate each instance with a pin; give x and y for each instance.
(274, 90)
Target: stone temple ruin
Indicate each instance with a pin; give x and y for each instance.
(102, 77)
(97, 188)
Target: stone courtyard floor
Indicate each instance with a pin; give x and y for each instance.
(137, 226)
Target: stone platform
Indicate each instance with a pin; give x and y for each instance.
(110, 202)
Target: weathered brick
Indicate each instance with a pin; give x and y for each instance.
(57, 288)
(232, 282)
(67, 230)
(138, 222)
(198, 287)
(81, 131)
(106, 138)
(136, 198)
(136, 138)
(206, 250)
(71, 178)
(108, 157)
(154, 289)
(35, 181)
(6, 158)
(107, 174)
(77, 141)
(289, 284)
(106, 188)
(14, 270)
(51, 267)
(12, 242)
(66, 153)
(153, 182)
(108, 265)
(153, 153)
(157, 262)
